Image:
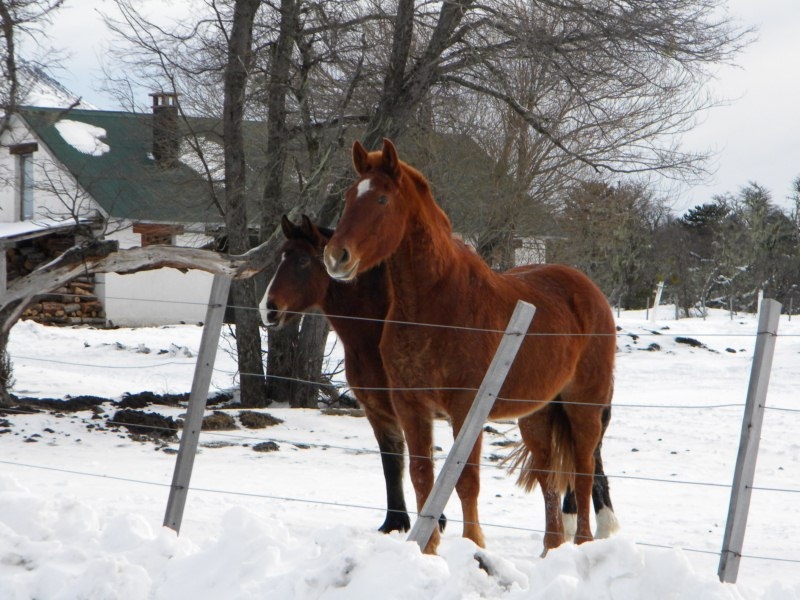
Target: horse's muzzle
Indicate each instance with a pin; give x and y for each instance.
(340, 265)
(270, 315)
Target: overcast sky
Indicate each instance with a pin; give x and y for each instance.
(756, 136)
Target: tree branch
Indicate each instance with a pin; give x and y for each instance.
(104, 257)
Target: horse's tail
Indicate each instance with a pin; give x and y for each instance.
(561, 466)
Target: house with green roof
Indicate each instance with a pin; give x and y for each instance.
(130, 177)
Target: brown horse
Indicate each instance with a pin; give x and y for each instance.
(301, 283)
(446, 315)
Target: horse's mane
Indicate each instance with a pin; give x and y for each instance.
(432, 208)
(442, 228)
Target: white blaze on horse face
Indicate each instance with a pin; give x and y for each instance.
(262, 306)
(363, 187)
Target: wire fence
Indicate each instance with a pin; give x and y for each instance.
(241, 437)
(372, 508)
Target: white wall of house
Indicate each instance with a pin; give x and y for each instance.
(56, 194)
(159, 297)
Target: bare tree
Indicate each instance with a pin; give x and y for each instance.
(248, 338)
(607, 232)
(621, 81)
(16, 16)
(582, 89)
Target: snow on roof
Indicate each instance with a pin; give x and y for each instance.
(23, 229)
(212, 153)
(85, 138)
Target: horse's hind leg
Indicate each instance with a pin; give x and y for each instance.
(569, 514)
(586, 426)
(389, 435)
(607, 523)
(537, 435)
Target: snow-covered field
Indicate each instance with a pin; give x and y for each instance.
(81, 506)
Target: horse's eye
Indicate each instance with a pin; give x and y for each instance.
(304, 262)
(383, 199)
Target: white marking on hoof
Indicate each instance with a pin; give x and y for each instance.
(363, 187)
(570, 523)
(607, 523)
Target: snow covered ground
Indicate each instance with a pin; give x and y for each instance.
(81, 505)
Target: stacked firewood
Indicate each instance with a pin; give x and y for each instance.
(72, 304)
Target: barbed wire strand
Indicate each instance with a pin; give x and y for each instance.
(354, 506)
(319, 314)
(135, 427)
(192, 361)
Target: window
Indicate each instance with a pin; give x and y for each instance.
(24, 152)
(26, 186)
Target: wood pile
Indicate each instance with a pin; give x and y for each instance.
(72, 304)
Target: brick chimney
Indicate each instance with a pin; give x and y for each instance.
(166, 143)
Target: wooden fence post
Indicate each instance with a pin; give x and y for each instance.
(748, 442)
(513, 337)
(197, 402)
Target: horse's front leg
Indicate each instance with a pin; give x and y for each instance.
(416, 419)
(468, 487)
(388, 433)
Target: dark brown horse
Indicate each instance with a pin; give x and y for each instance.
(300, 283)
(446, 315)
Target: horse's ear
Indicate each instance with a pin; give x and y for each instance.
(390, 162)
(313, 234)
(359, 158)
(288, 227)
(307, 226)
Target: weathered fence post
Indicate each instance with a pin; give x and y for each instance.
(748, 442)
(197, 402)
(513, 337)
(657, 301)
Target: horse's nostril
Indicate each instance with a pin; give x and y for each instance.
(345, 257)
(272, 313)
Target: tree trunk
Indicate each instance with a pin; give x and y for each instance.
(293, 350)
(281, 352)
(6, 379)
(308, 361)
(248, 337)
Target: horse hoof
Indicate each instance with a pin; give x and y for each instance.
(395, 522)
(442, 523)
